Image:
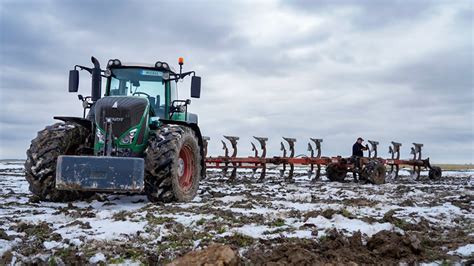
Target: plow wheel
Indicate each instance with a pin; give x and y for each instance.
(435, 173)
(172, 164)
(40, 166)
(374, 172)
(336, 172)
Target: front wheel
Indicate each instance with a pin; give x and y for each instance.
(40, 166)
(172, 164)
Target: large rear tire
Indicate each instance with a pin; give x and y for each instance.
(374, 172)
(40, 166)
(336, 172)
(172, 164)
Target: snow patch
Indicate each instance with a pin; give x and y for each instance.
(97, 258)
(349, 225)
(229, 199)
(252, 230)
(51, 244)
(305, 197)
(108, 229)
(5, 246)
(464, 251)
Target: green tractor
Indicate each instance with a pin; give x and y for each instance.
(137, 138)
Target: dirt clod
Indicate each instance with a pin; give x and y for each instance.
(82, 225)
(6, 258)
(407, 202)
(394, 245)
(4, 235)
(213, 255)
(34, 199)
(328, 213)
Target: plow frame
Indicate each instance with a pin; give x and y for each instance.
(314, 160)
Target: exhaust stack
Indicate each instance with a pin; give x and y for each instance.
(96, 88)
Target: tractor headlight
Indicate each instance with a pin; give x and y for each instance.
(114, 62)
(99, 136)
(128, 138)
(165, 65)
(158, 64)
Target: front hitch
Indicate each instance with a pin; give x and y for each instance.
(108, 145)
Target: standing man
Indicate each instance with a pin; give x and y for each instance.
(358, 152)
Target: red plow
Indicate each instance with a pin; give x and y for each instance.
(370, 169)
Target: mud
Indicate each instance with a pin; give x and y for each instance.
(385, 247)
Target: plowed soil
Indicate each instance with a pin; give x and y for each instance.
(270, 223)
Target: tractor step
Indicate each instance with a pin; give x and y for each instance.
(92, 173)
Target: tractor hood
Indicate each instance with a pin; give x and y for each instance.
(126, 114)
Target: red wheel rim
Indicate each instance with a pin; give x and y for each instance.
(185, 168)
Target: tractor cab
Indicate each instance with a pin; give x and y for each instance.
(142, 82)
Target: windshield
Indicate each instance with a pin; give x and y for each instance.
(140, 82)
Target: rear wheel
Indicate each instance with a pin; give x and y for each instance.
(435, 173)
(374, 172)
(172, 164)
(40, 166)
(336, 172)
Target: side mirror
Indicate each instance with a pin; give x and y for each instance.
(73, 80)
(196, 87)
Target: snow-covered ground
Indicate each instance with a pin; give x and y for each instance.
(127, 228)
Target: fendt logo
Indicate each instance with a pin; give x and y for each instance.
(114, 119)
(115, 105)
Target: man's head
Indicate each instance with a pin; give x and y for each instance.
(360, 140)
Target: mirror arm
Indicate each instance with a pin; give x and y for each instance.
(183, 75)
(83, 68)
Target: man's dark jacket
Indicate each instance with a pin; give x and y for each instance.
(357, 150)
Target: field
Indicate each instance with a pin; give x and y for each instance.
(296, 223)
(456, 166)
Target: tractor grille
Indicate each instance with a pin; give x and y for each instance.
(125, 113)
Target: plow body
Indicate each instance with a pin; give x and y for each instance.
(94, 173)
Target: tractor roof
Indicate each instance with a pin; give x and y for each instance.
(131, 64)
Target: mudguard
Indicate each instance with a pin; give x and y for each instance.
(77, 120)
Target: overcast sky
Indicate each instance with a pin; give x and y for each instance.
(337, 70)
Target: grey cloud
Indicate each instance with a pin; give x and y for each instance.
(444, 73)
(373, 14)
